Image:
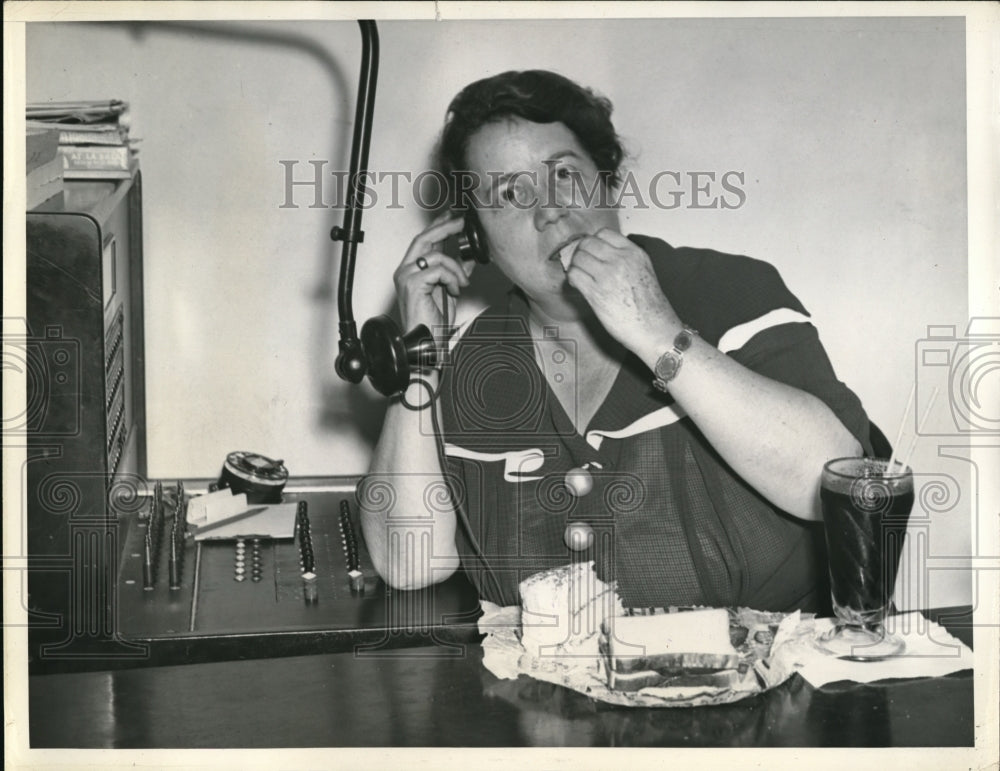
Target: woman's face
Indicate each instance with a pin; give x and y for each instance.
(538, 190)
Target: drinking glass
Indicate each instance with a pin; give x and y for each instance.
(865, 509)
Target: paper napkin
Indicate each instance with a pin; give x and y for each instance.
(930, 652)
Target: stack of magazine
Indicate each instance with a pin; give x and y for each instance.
(93, 137)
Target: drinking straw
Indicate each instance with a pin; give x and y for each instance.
(902, 425)
(920, 427)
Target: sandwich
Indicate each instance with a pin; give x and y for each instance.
(688, 649)
(562, 610)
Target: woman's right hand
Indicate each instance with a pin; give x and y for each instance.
(416, 287)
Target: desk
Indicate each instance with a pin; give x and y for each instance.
(211, 617)
(443, 696)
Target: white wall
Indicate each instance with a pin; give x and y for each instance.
(850, 133)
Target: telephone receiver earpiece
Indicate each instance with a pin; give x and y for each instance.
(471, 242)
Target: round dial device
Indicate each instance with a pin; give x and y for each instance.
(260, 477)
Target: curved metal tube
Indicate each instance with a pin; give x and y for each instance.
(350, 361)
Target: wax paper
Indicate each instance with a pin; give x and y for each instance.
(762, 663)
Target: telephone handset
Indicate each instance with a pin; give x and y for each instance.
(471, 244)
(389, 354)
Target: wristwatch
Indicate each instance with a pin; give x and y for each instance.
(669, 364)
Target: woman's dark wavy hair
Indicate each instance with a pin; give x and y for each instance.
(539, 96)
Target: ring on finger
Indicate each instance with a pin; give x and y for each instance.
(422, 263)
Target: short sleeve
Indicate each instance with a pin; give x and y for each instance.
(793, 354)
(743, 306)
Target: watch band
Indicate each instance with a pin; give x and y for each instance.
(669, 363)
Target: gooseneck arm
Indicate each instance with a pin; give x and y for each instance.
(382, 352)
(351, 364)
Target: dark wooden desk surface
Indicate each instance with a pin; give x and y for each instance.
(443, 696)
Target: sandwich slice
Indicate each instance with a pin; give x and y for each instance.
(690, 649)
(563, 609)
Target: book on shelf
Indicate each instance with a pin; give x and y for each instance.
(44, 167)
(43, 182)
(81, 174)
(83, 123)
(92, 137)
(89, 157)
(79, 112)
(41, 147)
(89, 134)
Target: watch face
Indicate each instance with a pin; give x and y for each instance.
(667, 366)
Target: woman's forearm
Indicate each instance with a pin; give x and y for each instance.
(775, 436)
(409, 534)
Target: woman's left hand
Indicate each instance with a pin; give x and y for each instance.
(616, 278)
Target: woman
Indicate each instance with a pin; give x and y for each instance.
(665, 410)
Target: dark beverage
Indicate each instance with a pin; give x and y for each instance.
(865, 514)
